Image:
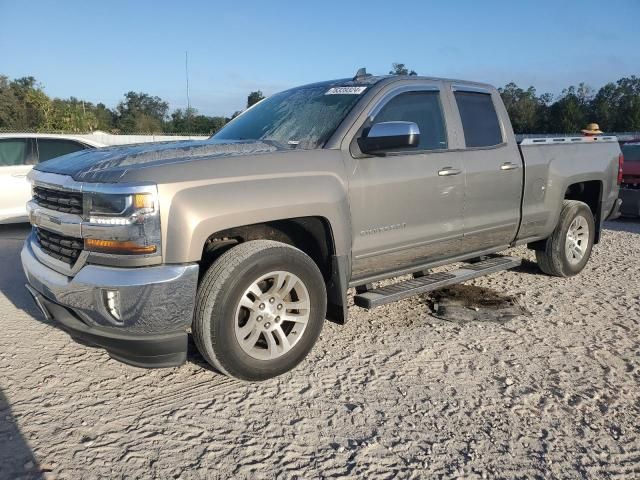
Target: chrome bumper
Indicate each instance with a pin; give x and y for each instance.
(147, 300)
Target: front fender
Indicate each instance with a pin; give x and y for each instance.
(198, 210)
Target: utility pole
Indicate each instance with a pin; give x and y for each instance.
(186, 72)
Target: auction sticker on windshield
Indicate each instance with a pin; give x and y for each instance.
(345, 90)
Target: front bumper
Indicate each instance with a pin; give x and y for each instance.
(139, 315)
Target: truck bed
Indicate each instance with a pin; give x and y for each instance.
(555, 164)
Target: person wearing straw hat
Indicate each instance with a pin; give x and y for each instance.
(591, 130)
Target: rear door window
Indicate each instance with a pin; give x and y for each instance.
(49, 148)
(422, 108)
(479, 119)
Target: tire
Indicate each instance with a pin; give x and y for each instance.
(232, 304)
(556, 258)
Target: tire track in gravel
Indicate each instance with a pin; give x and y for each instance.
(192, 392)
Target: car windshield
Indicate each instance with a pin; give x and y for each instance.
(631, 152)
(301, 118)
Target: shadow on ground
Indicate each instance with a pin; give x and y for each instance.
(12, 277)
(630, 225)
(529, 267)
(16, 458)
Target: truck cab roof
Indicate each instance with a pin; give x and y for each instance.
(381, 80)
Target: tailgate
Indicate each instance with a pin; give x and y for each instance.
(631, 173)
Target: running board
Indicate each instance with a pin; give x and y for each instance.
(427, 283)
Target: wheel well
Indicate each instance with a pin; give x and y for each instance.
(312, 235)
(589, 192)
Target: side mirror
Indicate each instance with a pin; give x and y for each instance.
(386, 136)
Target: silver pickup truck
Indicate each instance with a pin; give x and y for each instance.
(250, 239)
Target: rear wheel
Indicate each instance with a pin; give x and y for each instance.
(567, 250)
(259, 310)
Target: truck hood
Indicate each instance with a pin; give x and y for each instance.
(110, 164)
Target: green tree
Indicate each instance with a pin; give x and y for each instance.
(254, 97)
(72, 115)
(207, 125)
(9, 104)
(628, 104)
(400, 69)
(104, 118)
(523, 107)
(25, 106)
(34, 106)
(233, 115)
(199, 124)
(141, 112)
(569, 113)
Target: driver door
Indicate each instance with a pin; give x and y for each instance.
(407, 205)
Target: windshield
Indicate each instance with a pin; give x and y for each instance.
(631, 152)
(303, 117)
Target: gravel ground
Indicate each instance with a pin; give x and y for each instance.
(394, 393)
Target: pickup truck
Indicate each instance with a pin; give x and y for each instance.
(249, 240)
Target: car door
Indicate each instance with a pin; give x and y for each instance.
(17, 157)
(493, 169)
(406, 206)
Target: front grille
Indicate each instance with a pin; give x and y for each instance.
(58, 200)
(60, 247)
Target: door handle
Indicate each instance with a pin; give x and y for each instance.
(508, 166)
(19, 175)
(448, 171)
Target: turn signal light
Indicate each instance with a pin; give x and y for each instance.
(143, 200)
(117, 246)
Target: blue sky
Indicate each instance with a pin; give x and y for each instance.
(100, 50)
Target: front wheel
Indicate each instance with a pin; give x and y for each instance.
(567, 250)
(259, 310)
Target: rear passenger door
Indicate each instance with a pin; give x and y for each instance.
(493, 169)
(17, 157)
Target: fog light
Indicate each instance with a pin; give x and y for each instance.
(112, 302)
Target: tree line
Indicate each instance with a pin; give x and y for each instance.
(25, 106)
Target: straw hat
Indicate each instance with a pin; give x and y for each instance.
(592, 129)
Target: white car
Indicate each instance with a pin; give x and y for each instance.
(19, 152)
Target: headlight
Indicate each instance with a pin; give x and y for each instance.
(121, 220)
(125, 206)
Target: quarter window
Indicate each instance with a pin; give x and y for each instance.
(49, 148)
(422, 108)
(479, 119)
